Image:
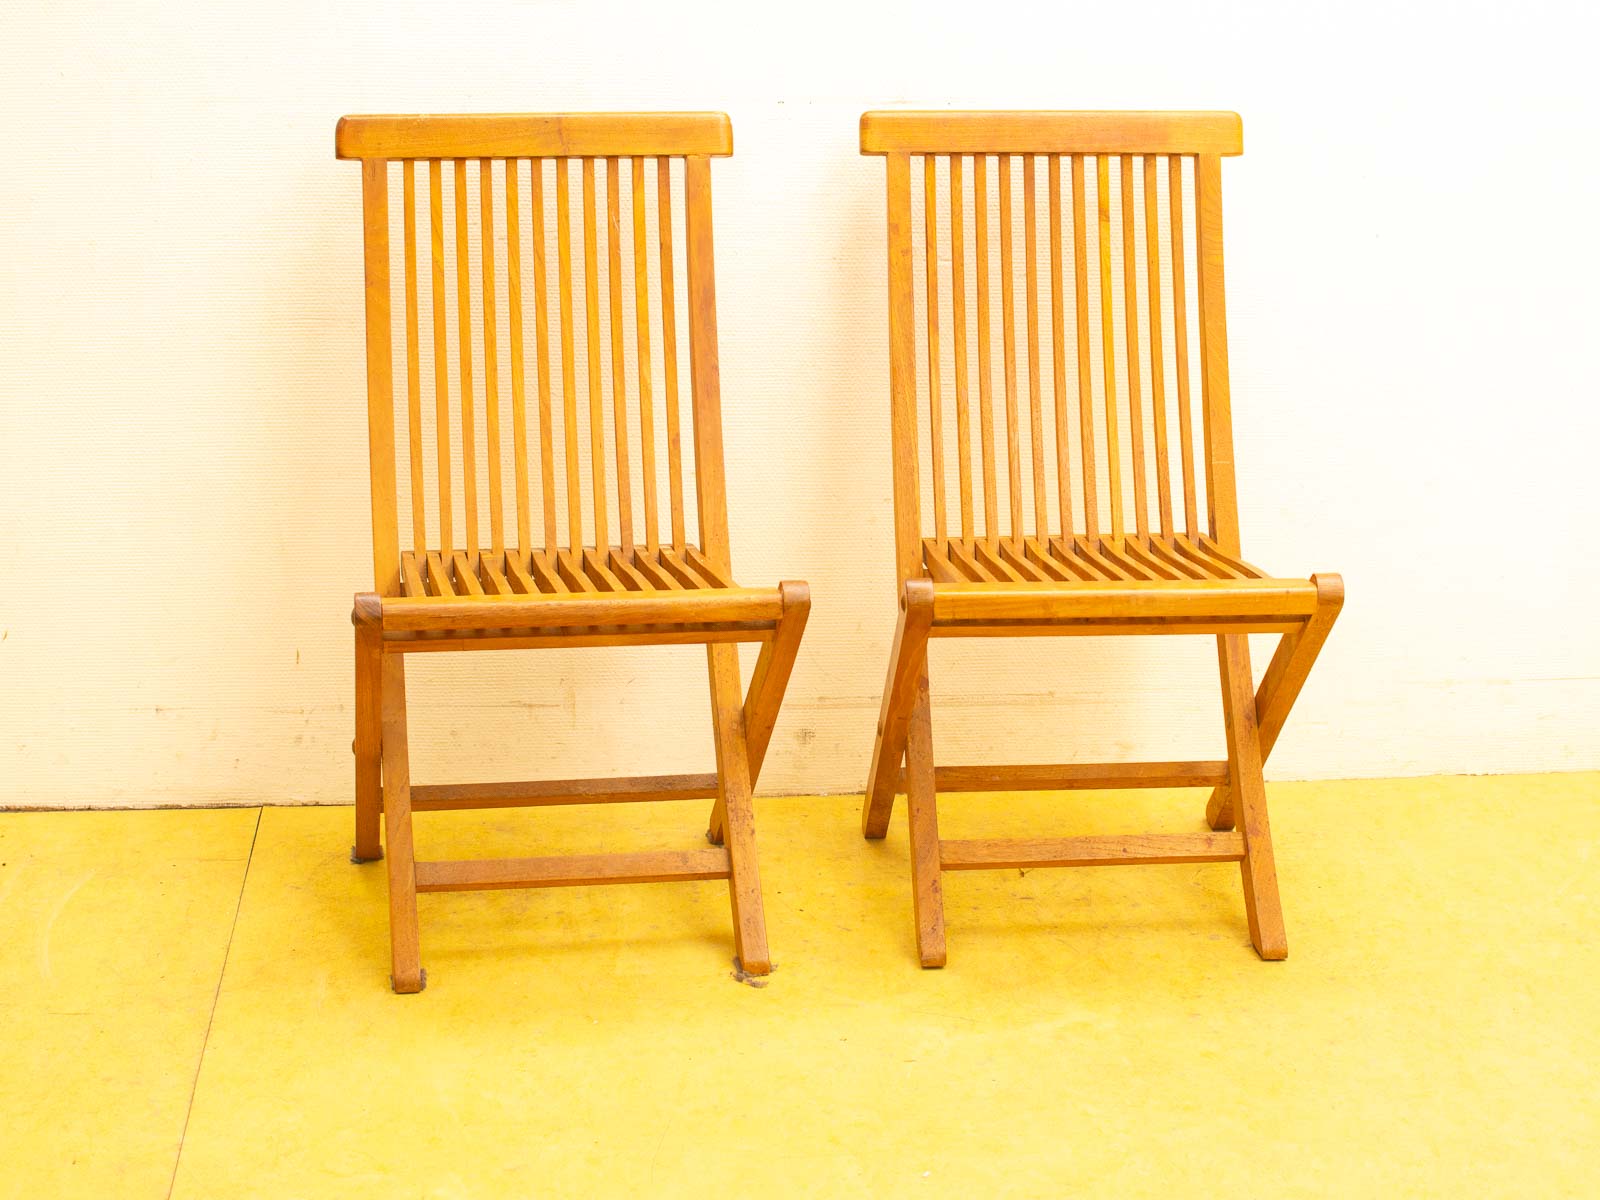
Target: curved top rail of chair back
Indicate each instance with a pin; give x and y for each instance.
(903, 132)
(540, 290)
(534, 135)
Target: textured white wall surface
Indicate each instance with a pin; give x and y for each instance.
(1412, 260)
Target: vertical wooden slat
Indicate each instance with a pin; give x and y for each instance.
(958, 333)
(903, 369)
(1080, 272)
(930, 223)
(569, 387)
(419, 523)
(1180, 337)
(669, 347)
(704, 379)
(980, 219)
(469, 438)
(1008, 338)
(1130, 318)
(380, 377)
(441, 355)
(491, 357)
(624, 479)
(619, 403)
(1220, 498)
(1158, 399)
(541, 350)
(1030, 249)
(641, 320)
(1059, 356)
(591, 301)
(1108, 342)
(519, 395)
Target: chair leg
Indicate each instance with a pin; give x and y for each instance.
(406, 973)
(927, 889)
(1280, 687)
(1259, 873)
(908, 656)
(733, 801)
(369, 731)
(768, 683)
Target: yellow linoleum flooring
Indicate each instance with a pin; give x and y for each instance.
(195, 1004)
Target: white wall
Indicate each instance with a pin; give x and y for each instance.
(1412, 283)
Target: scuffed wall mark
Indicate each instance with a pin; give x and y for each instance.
(45, 971)
(805, 736)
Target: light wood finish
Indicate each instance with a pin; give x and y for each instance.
(1132, 850)
(910, 640)
(909, 132)
(1014, 777)
(449, 797)
(1132, 550)
(569, 547)
(533, 135)
(405, 962)
(575, 870)
(369, 734)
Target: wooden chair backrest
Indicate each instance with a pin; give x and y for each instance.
(628, 283)
(1141, 193)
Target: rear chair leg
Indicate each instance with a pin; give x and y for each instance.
(1219, 809)
(1280, 686)
(369, 729)
(927, 889)
(1250, 795)
(733, 802)
(406, 973)
(768, 682)
(908, 656)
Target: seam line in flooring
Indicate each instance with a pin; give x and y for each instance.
(194, 1084)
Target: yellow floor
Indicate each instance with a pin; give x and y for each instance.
(195, 1003)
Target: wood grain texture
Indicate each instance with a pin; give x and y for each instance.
(906, 132)
(533, 135)
(562, 585)
(1104, 851)
(1116, 573)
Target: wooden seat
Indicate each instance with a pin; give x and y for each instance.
(548, 499)
(1084, 493)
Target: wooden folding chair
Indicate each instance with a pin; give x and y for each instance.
(1098, 560)
(553, 579)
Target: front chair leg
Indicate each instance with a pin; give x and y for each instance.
(733, 801)
(922, 813)
(1259, 872)
(369, 728)
(406, 973)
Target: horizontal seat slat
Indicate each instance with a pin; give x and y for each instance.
(1095, 851)
(567, 639)
(572, 870)
(548, 611)
(1155, 599)
(1110, 626)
